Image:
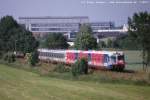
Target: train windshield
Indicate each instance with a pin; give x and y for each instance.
(121, 57)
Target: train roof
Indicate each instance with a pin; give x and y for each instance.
(78, 51)
(100, 52)
(51, 50)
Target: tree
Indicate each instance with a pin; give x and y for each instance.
(126, 42)
(24, 41)
(139, 30)
(102, 44)
(7, 25)
(85, 40)
(13, 37)
(56, 41)
(109, 43)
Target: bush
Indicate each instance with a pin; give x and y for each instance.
(80, 67)
(61, 68)
(33, 58)
(1, 54)
(9, 57)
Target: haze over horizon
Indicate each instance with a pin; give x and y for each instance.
(96, 10)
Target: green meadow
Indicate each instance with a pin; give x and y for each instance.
(18, 84)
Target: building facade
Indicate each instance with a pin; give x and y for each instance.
(69, 26)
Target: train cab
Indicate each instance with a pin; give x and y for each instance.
(117, 61)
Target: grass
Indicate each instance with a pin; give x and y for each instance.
(17, 84)
(133, 56)
(19, 81)
(133, 60)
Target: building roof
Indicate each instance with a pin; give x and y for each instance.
(56, 17)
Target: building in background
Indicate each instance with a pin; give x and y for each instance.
(69, 26)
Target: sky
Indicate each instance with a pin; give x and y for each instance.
(117, 11)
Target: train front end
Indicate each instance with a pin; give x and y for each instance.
(117, 61)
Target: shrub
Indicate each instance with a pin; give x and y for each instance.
(61, 68)
(9, 57)
(80, 67)
(33, 58)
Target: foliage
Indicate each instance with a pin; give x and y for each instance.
(85, 40)
(9, 57)
(56, 41)
(61, 68)
(33, 58)
(80, 67)
(139, 30)
(126, 42)
(13, 37)
(101, 44)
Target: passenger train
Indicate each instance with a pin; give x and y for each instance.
(96, 59)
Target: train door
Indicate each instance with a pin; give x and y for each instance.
(106, 60)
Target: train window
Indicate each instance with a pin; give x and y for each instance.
(50, 54)
(55, 55)
(47, 54)
(60, 55)
(40, 54)
(113, 59)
